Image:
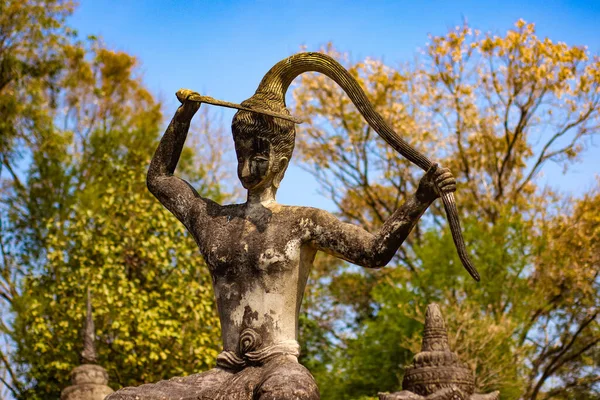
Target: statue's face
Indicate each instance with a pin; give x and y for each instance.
(254, 161)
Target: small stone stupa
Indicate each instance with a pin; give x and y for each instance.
(89, 380)
(436, 372)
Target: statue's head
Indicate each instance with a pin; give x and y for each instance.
(263, 144)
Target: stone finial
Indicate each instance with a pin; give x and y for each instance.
(435, 335)
(436, 372)
(88, 354)
(88, 381)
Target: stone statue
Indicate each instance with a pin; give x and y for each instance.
(89, 380)
(260, 252)
(436, 372)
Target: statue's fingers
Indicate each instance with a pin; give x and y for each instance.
(444, 177)
(448, 188)
(182, 95)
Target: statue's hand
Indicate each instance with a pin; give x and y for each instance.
(184, 94)
(188, 108)
(435, 182)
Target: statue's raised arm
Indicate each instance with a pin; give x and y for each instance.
(177, 195)
(354, 244)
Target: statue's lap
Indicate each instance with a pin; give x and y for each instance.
(282, 378)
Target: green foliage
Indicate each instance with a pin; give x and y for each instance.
(79, 216)
(494, 109)
(152, 295)
(373, 360)
(33, 36)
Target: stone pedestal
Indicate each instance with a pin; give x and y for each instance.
(89, 382)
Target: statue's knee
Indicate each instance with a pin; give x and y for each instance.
(128, 393)
(289, 382)
(195, 386)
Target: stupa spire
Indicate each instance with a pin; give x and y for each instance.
(435, 334)
(436, 372)
(88, 380)
(88, 354)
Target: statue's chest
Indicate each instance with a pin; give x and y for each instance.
(239, 248)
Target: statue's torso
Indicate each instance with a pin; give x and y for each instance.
(259, 261)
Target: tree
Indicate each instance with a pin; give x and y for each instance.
(77, 215)
(153, 301)
(565, 333)
(32, 34)
(495, 110)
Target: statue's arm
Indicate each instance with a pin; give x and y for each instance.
(177, 195)
(356, 245)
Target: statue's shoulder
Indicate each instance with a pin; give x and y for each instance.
(300, 213)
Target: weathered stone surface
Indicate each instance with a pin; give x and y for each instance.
(89, 383)
(280, 378)
(259, 253)
(436, 372)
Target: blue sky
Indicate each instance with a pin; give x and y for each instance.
(223, 48)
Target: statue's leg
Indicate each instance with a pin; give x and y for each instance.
(285, 379)
(192, 387)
